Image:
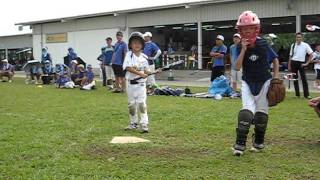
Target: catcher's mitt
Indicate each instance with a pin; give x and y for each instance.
(276, 92)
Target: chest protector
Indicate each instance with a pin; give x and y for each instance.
(256, 68)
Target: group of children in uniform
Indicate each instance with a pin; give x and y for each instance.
(81, 77)
(69, 75)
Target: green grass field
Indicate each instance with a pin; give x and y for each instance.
(49, 133)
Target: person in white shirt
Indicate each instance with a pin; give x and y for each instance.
(316, 61)
(298, 53)
(136, 66)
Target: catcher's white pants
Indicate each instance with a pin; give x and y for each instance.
(151, 80)
(253, 103)
(137, 97)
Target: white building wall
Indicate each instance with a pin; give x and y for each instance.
(87, 45)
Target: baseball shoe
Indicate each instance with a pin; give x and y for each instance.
(109, 88)
(238, 150)
(10, 81)
(144, 128)
(133, 126)
(116, 90)
(308, 97)
(257, 147)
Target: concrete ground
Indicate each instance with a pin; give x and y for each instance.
(201, 78)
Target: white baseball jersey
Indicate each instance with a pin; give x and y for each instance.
(137, 93)
(140, 63)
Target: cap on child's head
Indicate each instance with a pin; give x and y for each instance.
(89, 66)
(47, 62)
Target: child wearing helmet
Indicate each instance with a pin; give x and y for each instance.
(136, 65)
(254, 59)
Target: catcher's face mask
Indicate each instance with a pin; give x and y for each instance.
(249, 33)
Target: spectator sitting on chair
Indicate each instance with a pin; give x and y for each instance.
(6, 70)
(193, 58)
(47, 75)
(88, 82)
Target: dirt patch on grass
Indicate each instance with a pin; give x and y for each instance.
(281, 141)
(97, 151)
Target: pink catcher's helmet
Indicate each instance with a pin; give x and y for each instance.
(248, 18)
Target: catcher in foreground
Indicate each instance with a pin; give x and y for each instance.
(254, 59)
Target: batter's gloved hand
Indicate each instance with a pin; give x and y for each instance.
(276, 92)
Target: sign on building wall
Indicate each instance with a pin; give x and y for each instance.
(57, 38)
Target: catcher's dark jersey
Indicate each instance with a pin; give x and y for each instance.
(256, 63)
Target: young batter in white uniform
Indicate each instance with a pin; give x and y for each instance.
(136, 65)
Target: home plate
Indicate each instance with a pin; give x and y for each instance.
(127, 140)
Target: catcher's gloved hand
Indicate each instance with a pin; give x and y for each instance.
(276, 93)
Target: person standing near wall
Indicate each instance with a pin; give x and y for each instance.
(45, 56)
(235, 75)
(296, 64)
(218, 52)
(120, 50)
(71, 56)
(108, 52)
(316, 61)
(153, 52)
